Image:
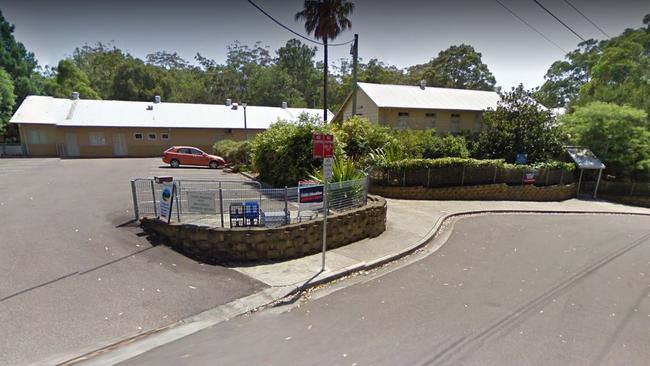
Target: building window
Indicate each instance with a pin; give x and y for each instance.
(455, 123)
(38, 137)
(430, 120)
(151, 136)
(164, 136)
(403, 119)
(138, 136)
(478, 123)
(96, 138)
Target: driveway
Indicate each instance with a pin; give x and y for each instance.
(503, 290)
(72, 279)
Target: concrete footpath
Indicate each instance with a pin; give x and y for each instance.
(410, 225)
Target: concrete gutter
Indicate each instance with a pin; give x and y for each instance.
(126, 349)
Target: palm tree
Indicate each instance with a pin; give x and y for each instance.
(326, 19)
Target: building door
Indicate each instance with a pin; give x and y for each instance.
(71, 144)
(120, 147)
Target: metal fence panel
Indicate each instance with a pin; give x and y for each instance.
(458, 176)
(277, 206)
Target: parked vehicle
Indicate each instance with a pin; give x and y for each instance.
(176, 156)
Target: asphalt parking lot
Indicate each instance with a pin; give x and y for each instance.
(73, 277)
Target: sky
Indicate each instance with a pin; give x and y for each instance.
(400, 33)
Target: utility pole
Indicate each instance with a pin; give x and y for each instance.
(325, 79)
(355, 63)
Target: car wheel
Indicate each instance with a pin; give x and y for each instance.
(174, 163)
(214, 165)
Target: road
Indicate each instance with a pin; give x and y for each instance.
(504, 289)
(72, 279)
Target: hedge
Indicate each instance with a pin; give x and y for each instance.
(473, 163)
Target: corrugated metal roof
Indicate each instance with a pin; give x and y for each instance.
(406, 96)
(114, 113)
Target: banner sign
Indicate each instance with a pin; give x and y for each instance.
(202, 202)
(529, 178)
(322, 146)
(166, 200)
(310, 197)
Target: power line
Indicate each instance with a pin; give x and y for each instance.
(589, 20)
(530, 26)
(294, 32)
(559, 20)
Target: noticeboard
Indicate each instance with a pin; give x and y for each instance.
(201, 202)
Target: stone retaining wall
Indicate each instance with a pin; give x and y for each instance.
(490, 192)
(643, 201)
(219, 245)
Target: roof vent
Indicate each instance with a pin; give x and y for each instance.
(150, 107)
(156, 99)
(423, 84)
(74, 96)
(228, 102)
(234, 106)
(284, 105)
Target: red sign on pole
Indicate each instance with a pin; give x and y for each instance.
(322, 146)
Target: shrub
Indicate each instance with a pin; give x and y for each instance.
(343, 169)
(359, 137)
(448, 146)
(428, 144)
(235, 152)
(518, 125)
(473, 163)
(618, 135)
(282, 155)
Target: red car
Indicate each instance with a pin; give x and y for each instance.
(176, 156)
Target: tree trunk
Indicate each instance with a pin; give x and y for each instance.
(325, 80)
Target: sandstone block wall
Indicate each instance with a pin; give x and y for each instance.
(220, 245)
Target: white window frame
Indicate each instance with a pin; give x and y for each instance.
(155, 136)
(38, 137)
(135, 136)
(165, 136)
(96, 138)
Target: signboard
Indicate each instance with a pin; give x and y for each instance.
(202, 202)
(529, 178)
(322, 146)
(521, 159)
(327, 168)
(310, 197)
(166, 200)
(584, 158)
